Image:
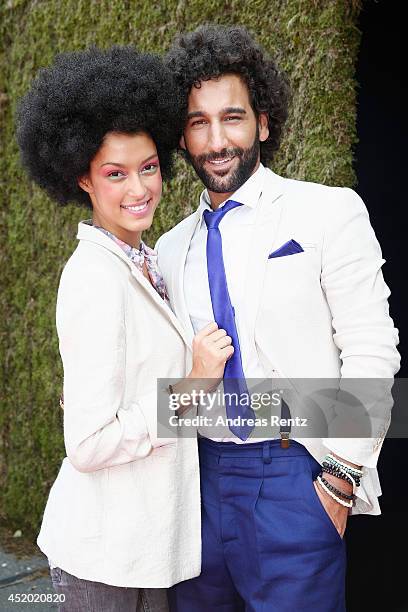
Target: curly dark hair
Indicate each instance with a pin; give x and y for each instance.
(213, 50)
(73, 104)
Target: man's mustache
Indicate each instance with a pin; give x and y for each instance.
(225, 153)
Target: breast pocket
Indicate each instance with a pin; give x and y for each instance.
(293, 281)
(304, 262)
(284, 251)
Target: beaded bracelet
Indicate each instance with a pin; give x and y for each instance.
(331, 457)
(340, 468)
(344, 466)
(337, 499)
(345, 477)
(335, 489)
(339, 473)
(352, 475)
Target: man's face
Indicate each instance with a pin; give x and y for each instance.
(222, 135)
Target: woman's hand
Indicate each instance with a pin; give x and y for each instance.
(211, 350)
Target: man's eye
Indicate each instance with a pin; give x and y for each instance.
(233, 118)
(198, 122)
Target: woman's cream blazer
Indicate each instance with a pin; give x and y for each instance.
(125, 507)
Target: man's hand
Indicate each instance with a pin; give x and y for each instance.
(337, 513)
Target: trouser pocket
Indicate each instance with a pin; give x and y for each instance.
(315, 469)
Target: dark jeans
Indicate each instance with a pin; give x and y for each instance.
(88, 596)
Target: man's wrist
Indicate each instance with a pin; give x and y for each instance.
(339, 483)
(340, 496)
(340, 478)
(346, 462)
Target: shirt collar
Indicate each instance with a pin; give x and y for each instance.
(248, 194)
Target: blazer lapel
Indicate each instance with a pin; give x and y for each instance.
(266, 225)
(167, 311)
(91, 234)
(176, 288)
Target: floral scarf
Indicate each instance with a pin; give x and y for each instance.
(138, 257)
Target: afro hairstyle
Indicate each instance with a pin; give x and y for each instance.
(212, 51)
(73, 104)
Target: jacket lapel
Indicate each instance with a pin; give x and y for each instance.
(91, 234)
(261, 243)
(142, 280)
(176, 288)
(267, 221)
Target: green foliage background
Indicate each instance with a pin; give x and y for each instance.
(315, 41)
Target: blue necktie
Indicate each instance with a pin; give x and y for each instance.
(234, 380)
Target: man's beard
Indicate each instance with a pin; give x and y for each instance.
(248, 159)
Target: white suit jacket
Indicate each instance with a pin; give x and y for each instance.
(319, 314)
(125, 508)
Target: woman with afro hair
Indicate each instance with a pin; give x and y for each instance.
(122, 522)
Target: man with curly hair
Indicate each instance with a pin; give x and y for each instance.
(292, 271)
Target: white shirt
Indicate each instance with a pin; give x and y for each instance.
(236, 259)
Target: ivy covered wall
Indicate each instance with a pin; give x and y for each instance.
(315, 41)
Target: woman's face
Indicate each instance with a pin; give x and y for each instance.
(125, 184)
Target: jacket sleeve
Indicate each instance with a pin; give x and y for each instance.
(100, 430)
(363, 330)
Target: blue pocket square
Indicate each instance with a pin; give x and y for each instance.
(289, 248)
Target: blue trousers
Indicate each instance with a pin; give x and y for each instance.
(268, 543)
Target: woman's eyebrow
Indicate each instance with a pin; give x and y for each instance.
(123, 165)
(150, 157)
